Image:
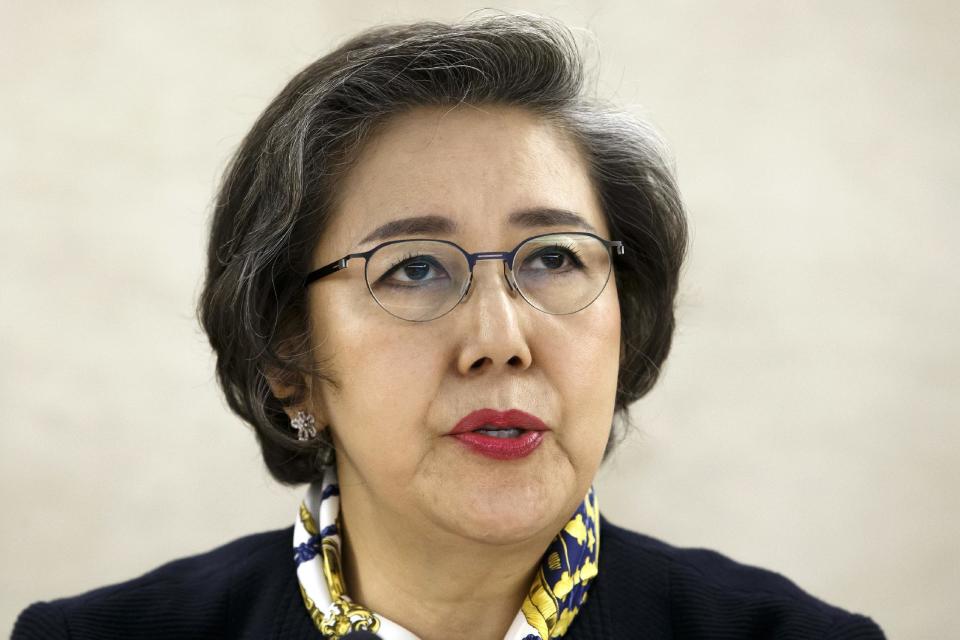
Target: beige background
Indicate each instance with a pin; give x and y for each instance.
(808, 418)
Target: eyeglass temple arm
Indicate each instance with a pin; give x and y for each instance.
(333, 267)
(337, 265)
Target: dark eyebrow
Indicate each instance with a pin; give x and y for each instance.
(441, 225)
(547, 217)
(418, 225)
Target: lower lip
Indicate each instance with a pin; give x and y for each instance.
(502, 448)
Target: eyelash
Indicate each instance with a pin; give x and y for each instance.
(402, 260)
(570, 249)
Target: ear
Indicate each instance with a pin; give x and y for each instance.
(286, 385)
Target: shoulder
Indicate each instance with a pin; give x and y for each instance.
(193, 596)
(699, 593)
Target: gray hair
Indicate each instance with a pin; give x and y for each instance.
(279, 190)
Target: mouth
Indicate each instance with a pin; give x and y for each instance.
(493, 432)
(500, 435)
(509, 424)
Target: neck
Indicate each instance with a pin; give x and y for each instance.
(436, 585)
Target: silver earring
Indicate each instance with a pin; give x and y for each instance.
(305, 425)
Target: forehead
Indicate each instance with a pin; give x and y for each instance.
(480, 168)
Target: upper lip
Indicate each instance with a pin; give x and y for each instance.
(510, 419)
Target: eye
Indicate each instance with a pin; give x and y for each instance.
(557, 258)
(414, 270)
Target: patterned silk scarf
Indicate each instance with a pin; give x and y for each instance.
(556, 595)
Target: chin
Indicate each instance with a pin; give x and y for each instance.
(505, 515)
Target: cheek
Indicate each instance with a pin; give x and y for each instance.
(594, 342)
(394, 377)
(387, 380)
(589, 368)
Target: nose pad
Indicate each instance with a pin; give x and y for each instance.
(511, 285)
(509, 277)
(466, 290)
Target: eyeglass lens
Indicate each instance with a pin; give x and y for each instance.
(422, 280)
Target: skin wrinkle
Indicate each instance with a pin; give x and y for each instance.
(437, 537)
(306, 141)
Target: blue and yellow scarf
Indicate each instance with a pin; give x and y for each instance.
(556, 595)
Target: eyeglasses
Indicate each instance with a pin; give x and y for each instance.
(421, 280)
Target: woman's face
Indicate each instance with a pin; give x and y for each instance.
(404, 385)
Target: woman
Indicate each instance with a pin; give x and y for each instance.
(437, 274)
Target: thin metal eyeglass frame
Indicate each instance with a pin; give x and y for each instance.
(472, 258)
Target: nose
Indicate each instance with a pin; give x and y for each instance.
(495, 319)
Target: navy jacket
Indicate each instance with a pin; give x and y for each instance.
(645, 589)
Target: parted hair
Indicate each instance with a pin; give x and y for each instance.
(279, 190)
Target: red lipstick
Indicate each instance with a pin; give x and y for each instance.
(471, 432)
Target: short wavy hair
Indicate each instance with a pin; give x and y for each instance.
(279, 190)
